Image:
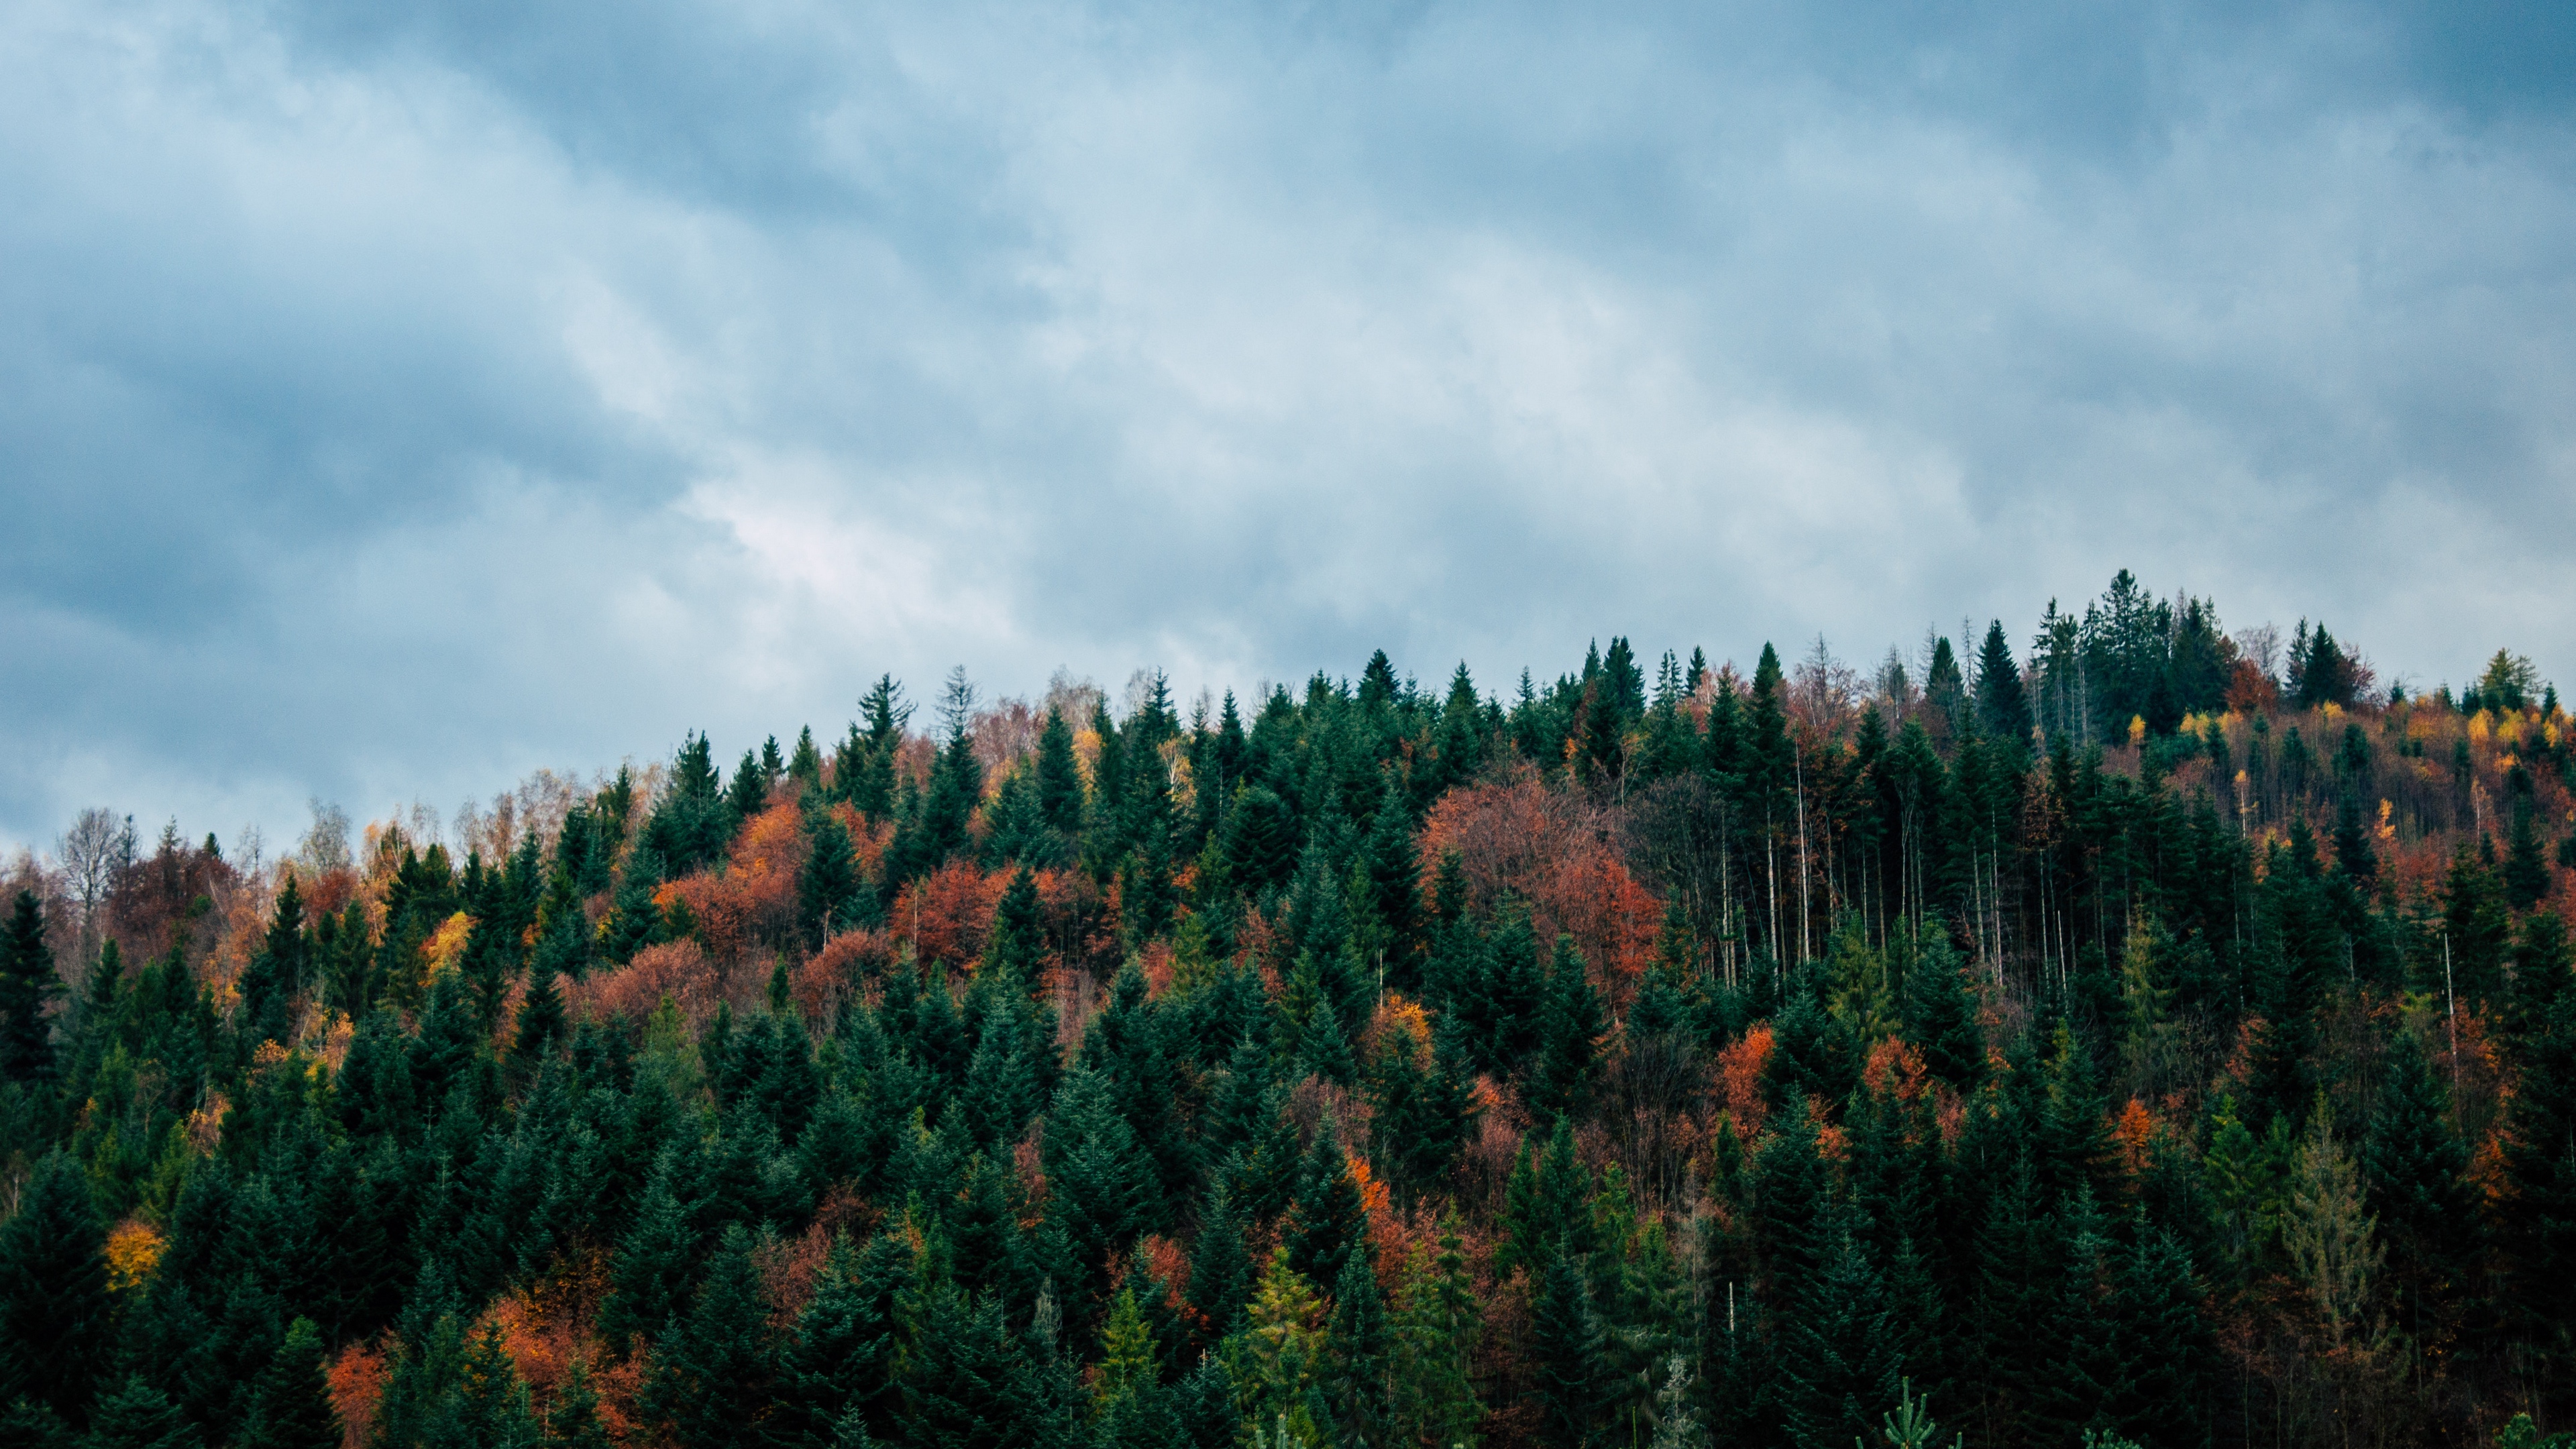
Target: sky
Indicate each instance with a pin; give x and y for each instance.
(397, 399)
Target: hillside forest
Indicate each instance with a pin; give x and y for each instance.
(2128, 1034)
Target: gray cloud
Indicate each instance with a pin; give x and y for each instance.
(392, 403)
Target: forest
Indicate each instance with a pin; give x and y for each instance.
(2130, 1034)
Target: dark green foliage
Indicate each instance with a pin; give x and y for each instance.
(290, 1405)
(715, 1371)
(53, 1292)
(1568, 1379)
(136, 1415)
(937, 1214)
(1327, 1226)
(28, 988)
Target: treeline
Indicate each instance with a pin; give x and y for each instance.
(2148, 1036)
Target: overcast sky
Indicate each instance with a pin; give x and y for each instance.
(390, 406)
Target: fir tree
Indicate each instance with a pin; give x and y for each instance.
(1328, 1225)
(54, 1316)
(714, 1371)
(1434, 1332)
(1567, 1378)
(1360, 1354)
(28, 987)
(136, 1415)
(291, 1402)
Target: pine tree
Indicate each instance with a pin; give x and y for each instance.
(1434, 1333)
(1560, 1082)
(1941, 1016)
(136, 1415)
(1420, 1117)
(1328, 1225)
(1284, 1348)
(54, 1318)
(28, 987)
(654, 1262)
(1360, 1354)
(1101, 1186)
(541, 1015)
(1220, 1266)
(1016, 948)
(2526, 861)
(713, 1371)
(1567, 1377)
(2414, 1168)
(1839, 1347)
(829, 881)
(291, 1403)
(2002, 709)
(277, 972)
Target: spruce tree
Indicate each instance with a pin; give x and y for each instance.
(1361, 1350)
(54, 1313)
(1434, 1332)
(28, 987)
(136, 1415)
(1101, 1186)
(1839, 1341)
(829, 881)
(1567, 1377)
(291, 1402)
(1560, 1081)
(1328, 1225)
(2002, 709)
(2414, 1170)
(714, 1371)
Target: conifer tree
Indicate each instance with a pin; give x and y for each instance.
(572, 1420)
(1328, 1225)
(136, 1415)
(1360, 1354)
(2002, 709)
(714, 1370)
(1220, 1266)
(1567, 1378)
(1433, 1336)
(1283, 1350)
(1570, 1037)
(54, 1314)
(1839, 1357)
(1101, 1186)
(291, 1402)
(28, 987)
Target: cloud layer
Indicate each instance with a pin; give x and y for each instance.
(394, 399)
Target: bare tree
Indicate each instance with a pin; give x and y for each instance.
(99, 844)
(325, 847)
(2262, 645)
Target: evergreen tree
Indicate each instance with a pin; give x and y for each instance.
(1101, 1186)
(291, 1402)
(572, 1421)
(54, 1317)
(1059, 778)
(1567, 1377)
(714, 1371)
(829, 882)
(137, 1415)
(1328, 1225)
(1220, 1266)
(1434, 1332)
(1570, 1036)
(1360, 1348)
(1839, 1352)
(28, 987)
(2002, 709)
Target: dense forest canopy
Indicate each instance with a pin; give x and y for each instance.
(2132, 1033)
